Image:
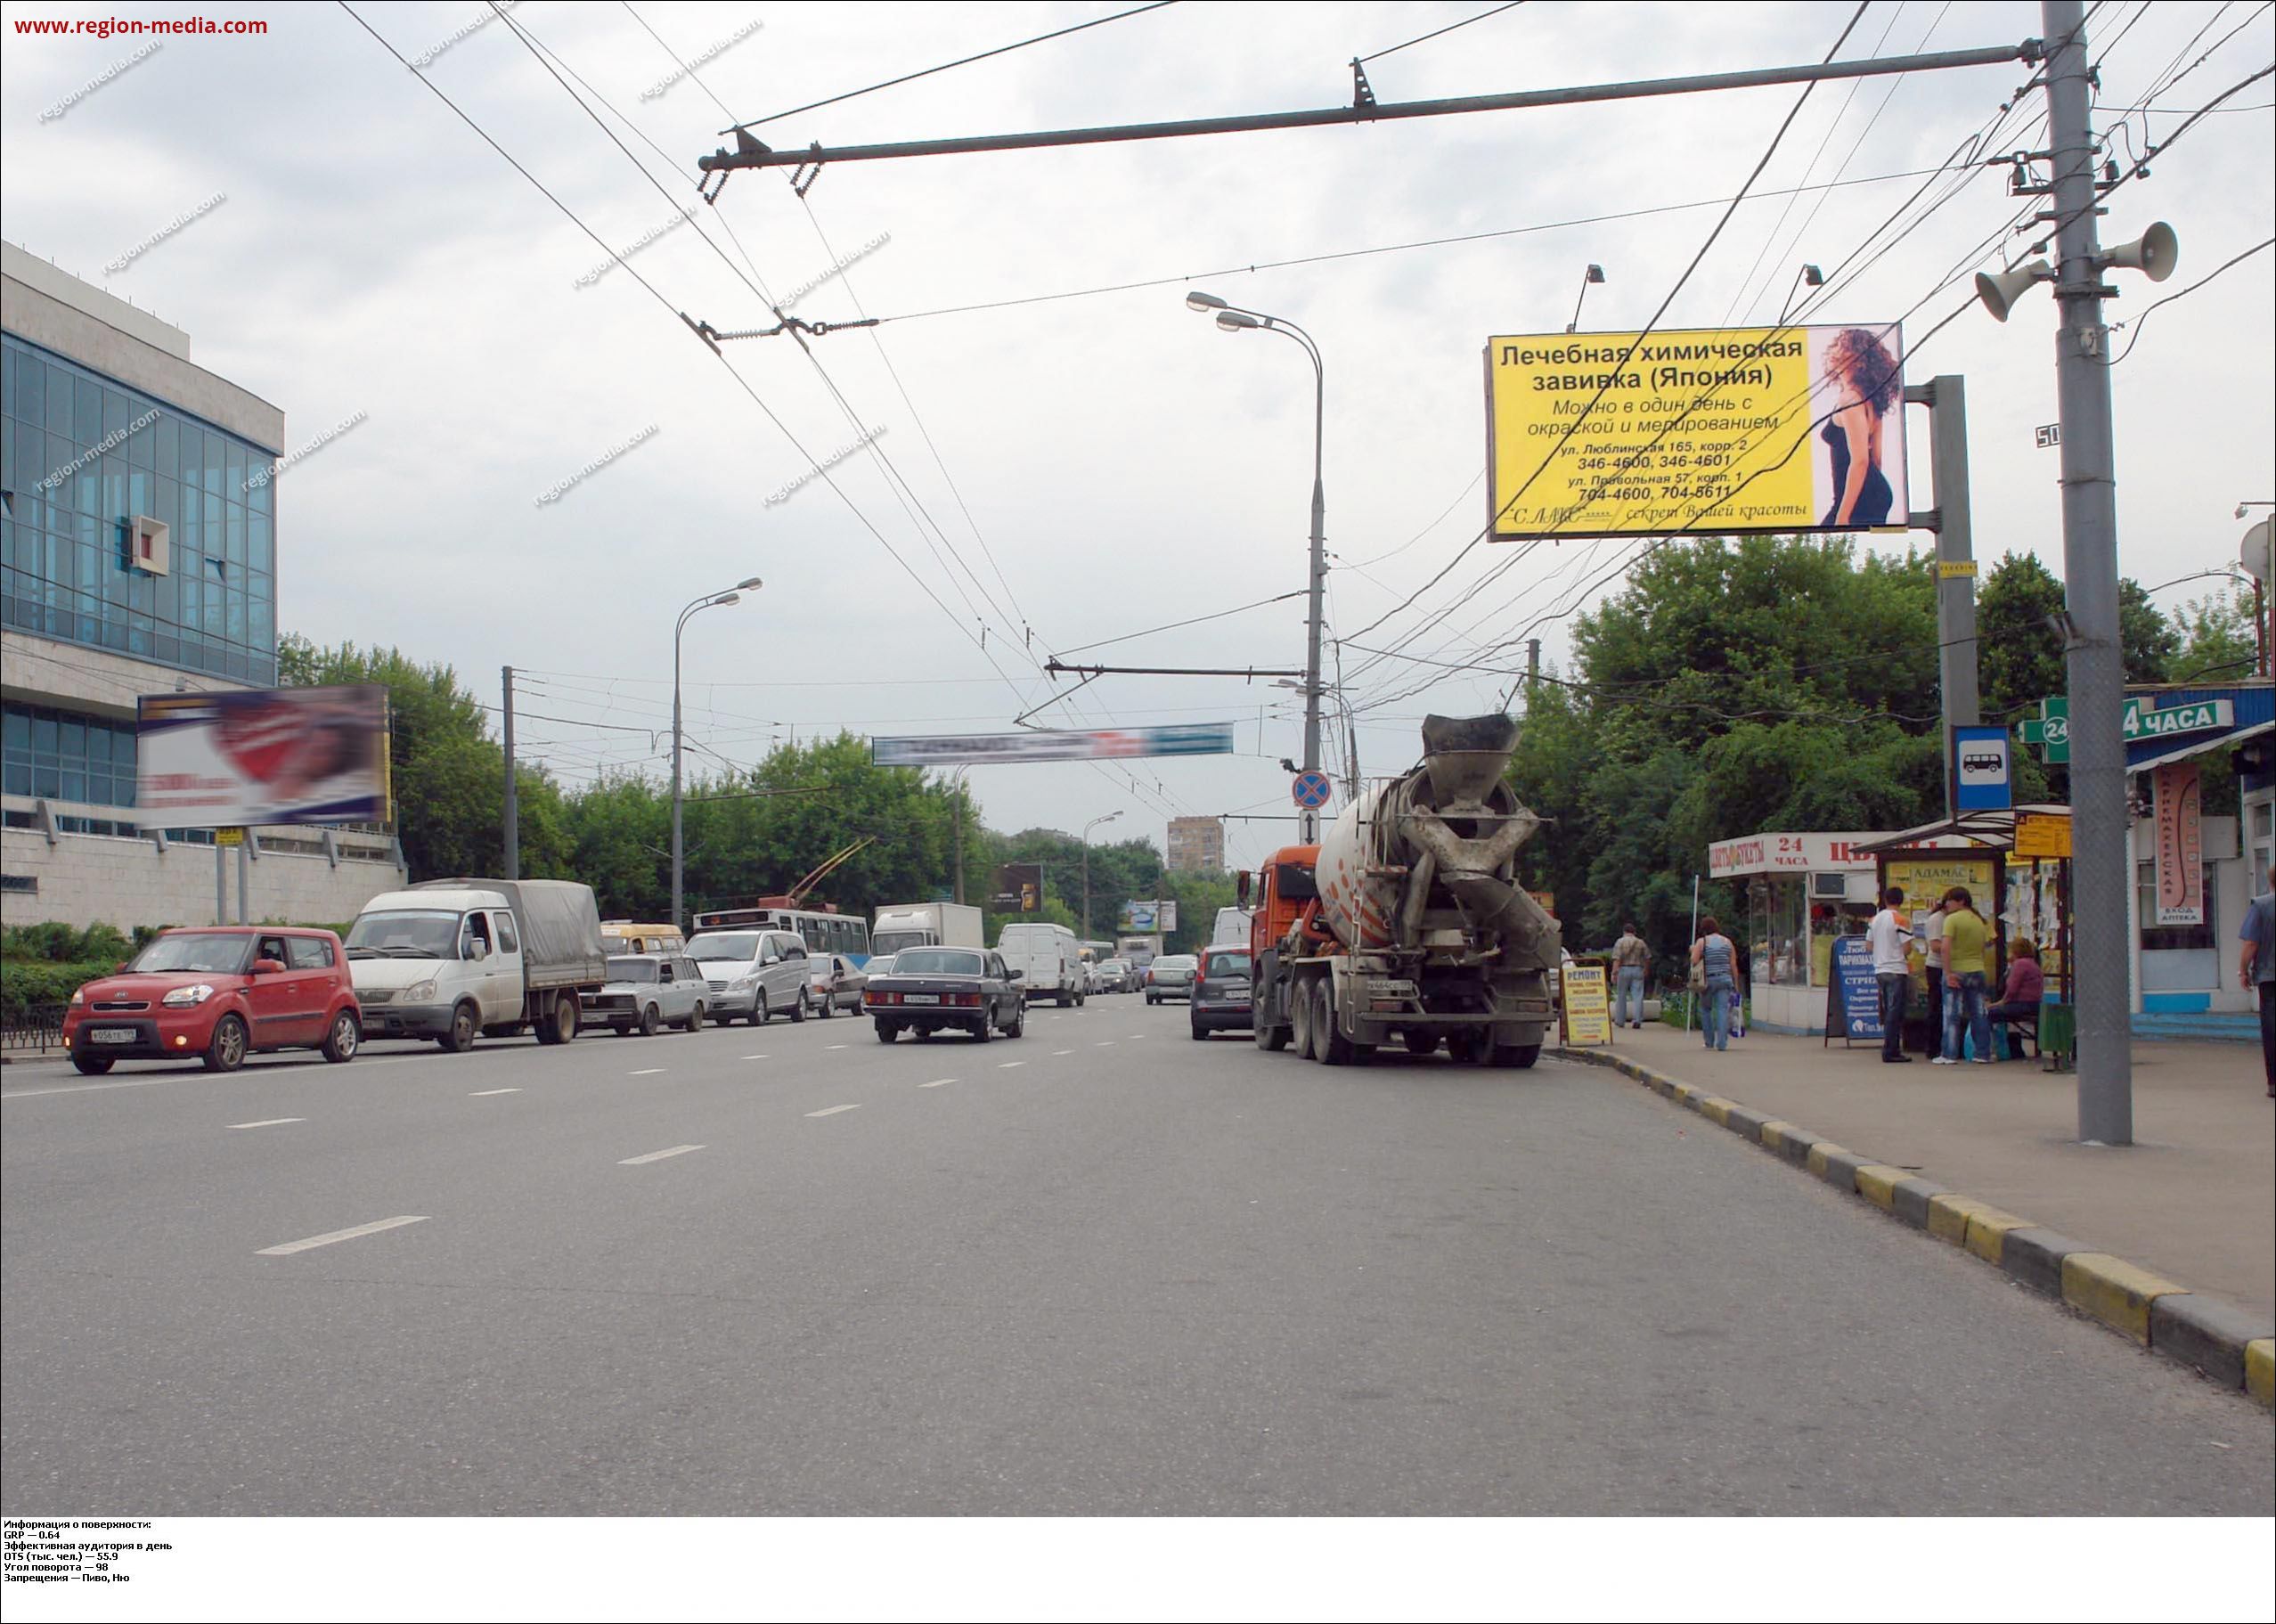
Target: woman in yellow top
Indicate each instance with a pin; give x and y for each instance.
(1967, 941)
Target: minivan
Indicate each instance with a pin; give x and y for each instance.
(755, 973)
(1048, 958)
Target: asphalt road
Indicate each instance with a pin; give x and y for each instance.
(1101, 1270)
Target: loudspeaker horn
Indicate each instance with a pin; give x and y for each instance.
(1999, 293)
(2154, 253)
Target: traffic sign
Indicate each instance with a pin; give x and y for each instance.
(1982, 781)
(1310, 790)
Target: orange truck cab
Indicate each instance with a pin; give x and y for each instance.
(1285, 898)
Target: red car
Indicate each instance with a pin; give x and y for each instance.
(218, 994)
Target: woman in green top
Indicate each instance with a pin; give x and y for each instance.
(1967, 939)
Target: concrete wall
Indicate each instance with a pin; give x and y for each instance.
(39, 670)
(90, 879)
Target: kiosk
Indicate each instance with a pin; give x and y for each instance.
(1803, 892)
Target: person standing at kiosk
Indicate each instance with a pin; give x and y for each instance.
(1887, 936)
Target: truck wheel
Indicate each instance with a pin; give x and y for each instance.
(1327, 1038)
(651, 1022)
(1519, 1055)
(566, 1017)
(340, 1043)
(461, 1036)
(1300, 1018)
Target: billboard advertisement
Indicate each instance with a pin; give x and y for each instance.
(268, 756)
(1017, 888)
(1199, 738)
(1149, 918)
(1716, 431)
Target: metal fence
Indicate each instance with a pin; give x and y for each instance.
(41, 1027)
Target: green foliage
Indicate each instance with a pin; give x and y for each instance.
(27, 986)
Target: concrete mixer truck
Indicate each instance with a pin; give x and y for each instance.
(1406, 920)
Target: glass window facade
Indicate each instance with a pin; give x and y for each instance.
(60, 755)
(83, 454)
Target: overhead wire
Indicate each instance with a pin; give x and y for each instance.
(1435, 33)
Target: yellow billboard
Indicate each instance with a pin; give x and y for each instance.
(1714, 431)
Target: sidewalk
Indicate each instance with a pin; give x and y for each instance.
(2194, 1198)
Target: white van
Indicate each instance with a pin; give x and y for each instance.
(1048, 958)
(755, 973)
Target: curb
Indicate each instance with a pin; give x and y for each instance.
(2219, 1341)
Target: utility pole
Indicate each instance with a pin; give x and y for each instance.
(1532, 670)
(2102, 833)
(1946, 398)
(513, 805)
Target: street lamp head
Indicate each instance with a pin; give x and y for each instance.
(724, 599)
(1233, 320)
(1204, 301)
(752, 585)
(1595, 274)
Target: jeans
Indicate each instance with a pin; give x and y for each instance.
(1716, 1029)
(2024, 1015)
(1935, 999)
(1631, 981)
(1893, 991)
(1964, 1013)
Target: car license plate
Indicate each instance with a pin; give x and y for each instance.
(922, 997)
(114, 1034)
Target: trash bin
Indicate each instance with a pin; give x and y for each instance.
(2058, 1037)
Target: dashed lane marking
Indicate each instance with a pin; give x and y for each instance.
(486, 1093)
(1009, 1064)
(832, 1110)
(274, 1122)
(830, 1046)
(754, 1056)
(653, 1071)
(937, 1082)
(1056, 1053)
(658, 1155)
(1104, 1043)
(289, 1247)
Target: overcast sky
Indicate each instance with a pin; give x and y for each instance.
(1099, 465)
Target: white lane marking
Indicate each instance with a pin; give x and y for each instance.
(1104, 1043)
(1057, 1052)
(833, 1110)
(653, 1071)
(937, 1082)
(754, 1056)
(486, 1093)
(828, 1046)
(1009, 1064)
(289, 1247)
(251, 1073)
(274, 1122)
(658, 1155)
(1137, 1036)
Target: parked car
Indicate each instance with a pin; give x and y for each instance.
(217, 995)
(1220, 992)
(1114, 975)
(833, 984)
(1171, 977)
(932, 989)
(754, 973)
(649, 991)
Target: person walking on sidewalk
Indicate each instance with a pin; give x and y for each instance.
(2257, 966)
(1718, 959)
(1886, 935)
(1967, 941)
(1631, 957)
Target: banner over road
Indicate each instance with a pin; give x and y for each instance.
(1714, 431)
(1199, 738)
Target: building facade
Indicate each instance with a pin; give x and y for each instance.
(1196, 844)
(105, 426)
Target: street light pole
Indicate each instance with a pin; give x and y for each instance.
(1234, 320)
(1086, 828)
(709, 601)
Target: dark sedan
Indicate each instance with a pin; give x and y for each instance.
(935, 988)
(1220, 992)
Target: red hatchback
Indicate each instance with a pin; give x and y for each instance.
(218, 994)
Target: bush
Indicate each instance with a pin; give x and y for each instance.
(55, 942)
(25, 986)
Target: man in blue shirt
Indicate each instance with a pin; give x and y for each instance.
(2257, 962)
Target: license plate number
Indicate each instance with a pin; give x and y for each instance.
(922, 997)
(113, 1035)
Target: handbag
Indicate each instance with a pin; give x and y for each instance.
(1698, 981)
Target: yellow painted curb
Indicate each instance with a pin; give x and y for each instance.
(1773, 1134)
(1681, 1093)
(2113, 1290)
(1879, 1185)
(1978, 1225)
(2260, 1370)
(1820, 1151)
(1717, 1109)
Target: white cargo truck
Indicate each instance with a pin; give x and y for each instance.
(904, 924)
(453, 958)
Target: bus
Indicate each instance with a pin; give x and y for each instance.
(823, 932)
(625, 937)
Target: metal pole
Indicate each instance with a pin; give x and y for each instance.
(679, 919)
(1946, 399)
(1311, 825)
(956, 815)
(2102, 837)
(1532, 668)
(221, 880)
(244, 879)
(513, 805)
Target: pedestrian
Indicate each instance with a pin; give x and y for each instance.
(1716, 959)
(1886, 935)
(2026, 984)
(1932, 944)
(1739, 992)
(1631, 958)
(1967, 945)
(2257, 965)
